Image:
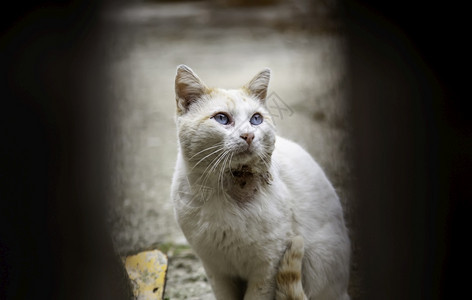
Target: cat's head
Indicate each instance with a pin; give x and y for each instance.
(224, 128)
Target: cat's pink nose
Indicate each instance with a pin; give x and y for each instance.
(248, 137)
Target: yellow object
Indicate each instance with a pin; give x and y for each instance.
(147, 271)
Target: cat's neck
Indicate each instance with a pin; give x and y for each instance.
(241, 176)
(239, 182)
(244, 184)
(246, 170)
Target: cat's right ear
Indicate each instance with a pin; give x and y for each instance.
(188, 88)
(259, 84)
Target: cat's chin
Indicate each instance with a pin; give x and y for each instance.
(245, 157)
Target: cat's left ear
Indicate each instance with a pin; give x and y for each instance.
(258, 85)
(188, 88)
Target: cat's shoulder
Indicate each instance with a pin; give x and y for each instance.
(286, 144)
(292, 159)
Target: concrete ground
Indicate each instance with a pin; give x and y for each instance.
(226, 47)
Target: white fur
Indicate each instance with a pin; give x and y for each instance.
(245, 240)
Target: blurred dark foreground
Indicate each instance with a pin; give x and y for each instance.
(410, 127)
(53, 240)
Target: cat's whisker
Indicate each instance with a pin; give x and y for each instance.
(263, 161)
(222, 171)
(217, 162)
(229, 160)
(214, 166)
(221, 161)
(211, 163)
(225, 165)
(188, 203)
(263, 157)
(230, 163)
(211, 167)
(206, 156)
(206, 149)
(201, 160)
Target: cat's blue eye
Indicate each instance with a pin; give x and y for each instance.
(256, 119)
(221, 118)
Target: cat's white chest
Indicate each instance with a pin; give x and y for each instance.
(239, 237)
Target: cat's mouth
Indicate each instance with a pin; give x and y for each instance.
(244, 148)
(244, 157)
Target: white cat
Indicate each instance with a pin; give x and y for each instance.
(241, 194)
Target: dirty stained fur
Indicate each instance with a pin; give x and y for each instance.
(243, 184)
(256, 208)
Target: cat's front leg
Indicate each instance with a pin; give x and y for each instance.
(225, 287)
(261, 287)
